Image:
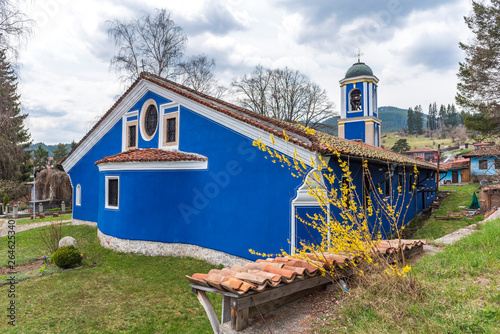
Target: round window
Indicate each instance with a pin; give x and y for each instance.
(151, 120)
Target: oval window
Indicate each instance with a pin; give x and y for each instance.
(151, 120)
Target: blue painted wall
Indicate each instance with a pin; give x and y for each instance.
(474, 164)
(446, 177)
(354, 130)
(241, 201)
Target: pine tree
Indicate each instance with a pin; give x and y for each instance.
(410, 121)
(60, 152)
(478, 75)
(40, 157)
(418, 122)
(14, 137)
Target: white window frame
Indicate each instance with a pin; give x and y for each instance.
(125, 125)
(142, 123)
(127, 134)
(78, 195)
(106, 192)
(173, 111)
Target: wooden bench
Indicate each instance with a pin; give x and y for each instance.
(239, 309)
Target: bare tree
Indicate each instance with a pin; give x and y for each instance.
(152, 43)
(284, 94)
(14, 25)
(197, 73)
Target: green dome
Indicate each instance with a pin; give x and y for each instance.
(357, 70)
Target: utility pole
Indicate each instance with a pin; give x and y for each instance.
(438, 175)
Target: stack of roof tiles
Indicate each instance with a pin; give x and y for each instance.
(272, 272)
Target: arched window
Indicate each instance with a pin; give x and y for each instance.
(149, 119)
(78, 195)
(355, 99)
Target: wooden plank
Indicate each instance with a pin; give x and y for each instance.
(239, 319)
(226, 309)
(209, 309)
(245, 302)
(196, 287)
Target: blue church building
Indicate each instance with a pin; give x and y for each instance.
(171, 171)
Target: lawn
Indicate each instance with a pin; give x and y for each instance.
(114, 292)
(456, 291)
(46, 219)
(389, 138)
(434, 228)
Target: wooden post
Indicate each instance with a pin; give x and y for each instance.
(226, 309)
(438, 175)
(209, 309)
(239, 319)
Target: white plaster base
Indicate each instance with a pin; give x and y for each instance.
(83, 222)
(153, 248)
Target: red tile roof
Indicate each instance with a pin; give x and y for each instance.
(270, 273)
(317, 142)
(151, 154)
(485, 151)
(459, 164)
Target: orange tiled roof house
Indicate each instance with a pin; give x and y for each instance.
(170, 171)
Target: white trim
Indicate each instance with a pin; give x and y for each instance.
(362, 118)
(164, 107)
(154, 165)
(142, 120)
(360, 78)
(124, 127)
(240, 127)
(106, 191)
(370, 103)
(303, 198)
(342, 101)
(144, 86)
(365, 98)
(78, 195)
(105, 126)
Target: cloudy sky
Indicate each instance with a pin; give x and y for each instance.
(411, 45)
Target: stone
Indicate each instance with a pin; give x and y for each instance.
(67, 241)
(40, 207)
(63, 207)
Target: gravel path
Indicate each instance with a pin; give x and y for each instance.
(19, 228)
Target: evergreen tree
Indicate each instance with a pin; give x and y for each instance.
(401, 146)
(478, 75)
(411, 121)
(442, 117)
(14, 137)
(40, 157)
(60, 152)
(418, 122)
(73, 144)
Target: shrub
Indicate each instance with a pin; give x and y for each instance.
(54, 209)
(67, 256)
(5, 199)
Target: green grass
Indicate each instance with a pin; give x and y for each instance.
(434, 228)
(46, 219)
(457, 291)
(389, 139)
(114, 293)
(465, 150)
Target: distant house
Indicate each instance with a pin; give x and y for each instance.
(457, 171)
(171, 171)
(424, 153)
(478, 146)
(465, 146)
(484, 163)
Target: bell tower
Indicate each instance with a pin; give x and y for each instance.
(359, 113)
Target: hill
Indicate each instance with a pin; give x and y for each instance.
(393, 119)
(49, 148)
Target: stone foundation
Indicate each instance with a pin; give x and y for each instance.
(153, 248)
(83, 222)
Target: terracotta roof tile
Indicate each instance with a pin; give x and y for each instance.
(262, 274)
(458, 164)
(317, 142)
(151, 154)
(485, 151)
